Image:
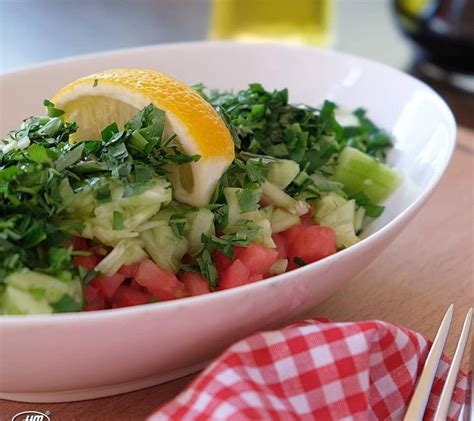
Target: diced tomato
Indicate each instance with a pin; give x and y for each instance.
(264, 202)
(100, 251)
(127, 296)
(79, 243)
(135, 285)
(220, 260)
(87, 262)
(311, 244)
(188, 260)
(291, 233)
(255, 278)
(129, 270)
(257, 258)
(306, 220)
(94, 300)
(164, 285)
(195, 283)
(108, 285)
(95, 283)
(280, 243)
(91, 294)
(235, 275)
(99, 305)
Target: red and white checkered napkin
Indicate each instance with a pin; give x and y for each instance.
(314, 370)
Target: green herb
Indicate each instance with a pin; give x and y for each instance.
(66, 304)
(117, 222)
(248, 198)
(256, 170)
(43, 168)
(371, 209)
(177, 223)
(299, 261)
(37, 293)
(147, 129)
(89, 276)
(69, 156)
(221, 215)
(241, 234)
(107, 133)
(207, 268)
(52, 111)
(265, 124)
(102, 193)
(38, 154)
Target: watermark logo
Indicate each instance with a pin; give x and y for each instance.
(32, 416)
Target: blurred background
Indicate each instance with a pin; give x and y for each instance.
(432, 39)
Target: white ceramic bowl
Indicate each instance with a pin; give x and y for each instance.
(89, 355)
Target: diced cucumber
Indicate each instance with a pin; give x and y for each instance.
(359, 218)
(338, 213)
(153, 223)
(135, 211)
(280, 199)
(260, 217)
(325, 185)
(17, 301)
(282, 220)
(282, 172)
(46, 286)
(82, 205)
(160, 193)
(200, 222)
(88, 230)
(164, 214)
(278, 267)
(327, 204)
(29, 292)
(140, 216)
(342, 220)
(126, 252)
(345, 235)
(234, 214)
(267, 211)
(108, 235)
(164, 247)
(264, 235)
(360, 172)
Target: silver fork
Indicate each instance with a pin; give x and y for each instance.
(418, 402)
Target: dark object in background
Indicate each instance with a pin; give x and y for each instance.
(443, 31)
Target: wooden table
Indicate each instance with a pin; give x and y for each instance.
(412, 283)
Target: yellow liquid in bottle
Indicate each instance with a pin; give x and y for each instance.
(287, 21)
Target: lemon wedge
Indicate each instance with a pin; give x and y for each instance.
(100, 99)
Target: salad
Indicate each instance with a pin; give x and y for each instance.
(104, 204)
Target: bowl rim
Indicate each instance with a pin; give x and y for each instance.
(35, 319)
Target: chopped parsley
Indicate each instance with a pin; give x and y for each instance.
(371, 209)
(177, 223)
(299, 261)
(38, 166)
(264, 123)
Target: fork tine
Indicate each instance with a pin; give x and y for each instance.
(418, 401)
(445, 398)
(471, 406)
